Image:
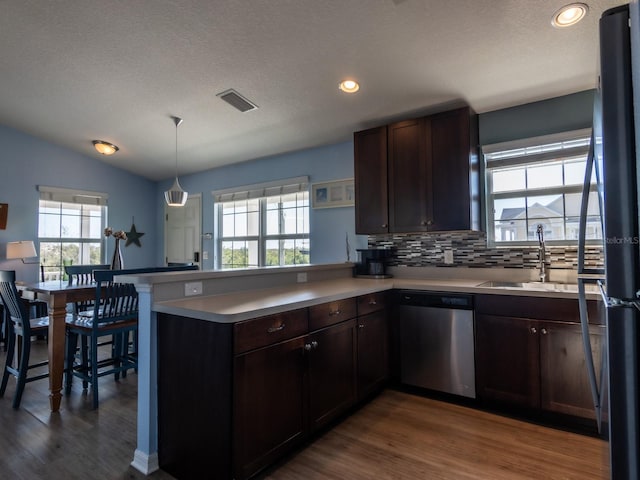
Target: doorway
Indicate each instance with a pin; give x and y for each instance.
(182, 232)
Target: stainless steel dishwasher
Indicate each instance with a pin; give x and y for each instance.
(437, 341)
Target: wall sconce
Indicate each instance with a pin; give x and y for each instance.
(22, 249)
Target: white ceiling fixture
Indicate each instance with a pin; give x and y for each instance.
(349, 86)
(105, 148)
(176, 196)
(569, 15)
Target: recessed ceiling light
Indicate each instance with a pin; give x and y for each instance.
(105, 148)
(569, 15)
(349, 86)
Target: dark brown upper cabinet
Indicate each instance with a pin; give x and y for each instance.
(372, 209)
(418, 175)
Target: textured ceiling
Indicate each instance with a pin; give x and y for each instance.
(78, 70)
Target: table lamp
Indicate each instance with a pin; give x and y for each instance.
(22, 249)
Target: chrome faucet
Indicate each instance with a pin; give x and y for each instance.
(542, 256)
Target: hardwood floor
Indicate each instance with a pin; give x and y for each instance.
(77, 442)
(396, 436)
(403, 436)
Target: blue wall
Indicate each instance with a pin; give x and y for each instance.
(329, 227)
(28, 162)
(559, 114)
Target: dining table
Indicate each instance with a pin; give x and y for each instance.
(57, 294)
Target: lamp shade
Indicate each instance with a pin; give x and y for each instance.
(176, 196)
(21, 249)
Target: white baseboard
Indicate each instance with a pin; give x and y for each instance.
(144, 463)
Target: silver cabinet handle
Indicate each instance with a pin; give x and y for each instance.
(384, 225)
(372, 302)
(335, 312)
(275, 329)
(534, 330)
(307, 347)
(360, 325)
(544, 331)
(314, 344)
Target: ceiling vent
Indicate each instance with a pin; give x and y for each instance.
(237, 101)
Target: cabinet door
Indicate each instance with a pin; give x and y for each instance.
(373, 353)
(332, 368)
(370, 172)
(507, 359)
(410, 194)
(269, 404)
(454, 165)
(563, 372)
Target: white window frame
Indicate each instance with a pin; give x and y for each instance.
(260, 192)
(532, 151)
(76, 197)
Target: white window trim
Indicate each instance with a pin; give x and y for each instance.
(257, 191)
(540, 157)
(78, 197)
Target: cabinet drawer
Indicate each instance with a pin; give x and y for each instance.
(557, 309)
(372, 302)
(331, 312)
(263, 331)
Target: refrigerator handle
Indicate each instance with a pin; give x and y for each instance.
(596, 391)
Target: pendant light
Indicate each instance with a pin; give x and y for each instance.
(176, 196)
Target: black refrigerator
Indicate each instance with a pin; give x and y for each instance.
(616, 131)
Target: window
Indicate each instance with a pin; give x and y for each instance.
(263, 225)
(539, 181)
(70, 226)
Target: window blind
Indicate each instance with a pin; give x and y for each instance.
(261, 190)
(538, 149)
(66, 195)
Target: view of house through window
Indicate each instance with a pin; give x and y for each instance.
(70, 226)
(539, 184)
(264, 231)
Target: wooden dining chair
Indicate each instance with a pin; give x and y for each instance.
(82, 275)
(114, 313)
(20, 326)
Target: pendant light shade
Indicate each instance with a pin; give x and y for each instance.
(176, 196)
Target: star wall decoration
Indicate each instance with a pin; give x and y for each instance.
(133, 236)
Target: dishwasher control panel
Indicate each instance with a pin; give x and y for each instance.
(435, 299)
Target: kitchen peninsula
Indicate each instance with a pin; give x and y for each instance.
(205, 308)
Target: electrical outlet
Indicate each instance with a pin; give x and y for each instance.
(192, 288)
(302, 277)
(205, 255)
(448, 257)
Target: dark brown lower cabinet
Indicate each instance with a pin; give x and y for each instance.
(564, 382)
(507, 360)
(234, 398)
(269, 404)
(331, 372)
(531, 362)
(373, 353)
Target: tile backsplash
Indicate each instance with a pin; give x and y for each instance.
(470, 250)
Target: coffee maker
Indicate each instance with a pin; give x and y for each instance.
(372, 263)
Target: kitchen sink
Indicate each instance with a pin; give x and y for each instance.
(546, 286)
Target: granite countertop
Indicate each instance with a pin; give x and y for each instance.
(234, 307)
